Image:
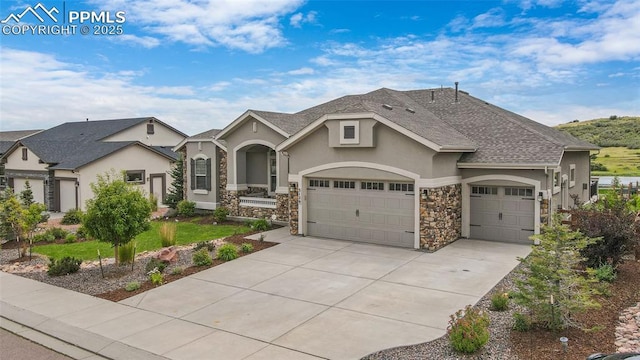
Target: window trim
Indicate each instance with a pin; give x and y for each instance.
(195, 172)
(25, 154)
(150, 129)
(401, 187)
(372, 185)
(319, 183)
(356, 135)
(572, 175)
(346, 184)
(557, 180)
(142, 179)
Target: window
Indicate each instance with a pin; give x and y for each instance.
(343, 184)
(25, 154)
(557, 180)
(135, 176)
(400, 187)
(201, 174)
(150, 129)
(349, 132)
(370, 185)
(484, 190)
(572, 175)
(318, 183)
(523, 192)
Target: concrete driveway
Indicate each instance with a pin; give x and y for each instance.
(303, 299)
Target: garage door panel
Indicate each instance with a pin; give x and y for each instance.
(374, 216)
(501, 217)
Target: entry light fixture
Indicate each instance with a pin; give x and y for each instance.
(424, 194)
(540, 196)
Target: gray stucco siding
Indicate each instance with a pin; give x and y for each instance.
(392, 150)
(499, 174)
(256, 168)
(244, 134)
(207, 149)
(365, 132)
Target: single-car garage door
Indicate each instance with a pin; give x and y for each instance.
(502, 213)
(360, 210)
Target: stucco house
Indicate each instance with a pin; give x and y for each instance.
(60, 163)
(415, 169)
(7, 139)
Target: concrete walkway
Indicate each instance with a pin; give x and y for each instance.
(303, 299)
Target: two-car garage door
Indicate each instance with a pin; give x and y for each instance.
(378, 212)
(502, 213)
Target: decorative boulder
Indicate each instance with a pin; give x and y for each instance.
(168, 255)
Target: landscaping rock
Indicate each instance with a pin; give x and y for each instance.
(168, 255)
(628, 330)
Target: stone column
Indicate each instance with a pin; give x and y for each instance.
(293, 208)
(440, 216)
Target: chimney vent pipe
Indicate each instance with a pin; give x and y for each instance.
(456, 92)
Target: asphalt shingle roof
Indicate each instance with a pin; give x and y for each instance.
(497, 135)
(206, 134)
(8, 138)
(74, 144)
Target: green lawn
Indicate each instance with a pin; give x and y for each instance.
(187, 233)
(619, 161)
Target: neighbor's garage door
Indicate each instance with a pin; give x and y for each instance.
(502, 213)
(37, 188)
(368, 211)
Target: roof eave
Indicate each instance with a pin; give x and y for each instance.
(504, 166)
(229, 128)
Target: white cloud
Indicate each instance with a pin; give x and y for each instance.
(298, 19)
(301, 71)
(147, 42)
(249, 25)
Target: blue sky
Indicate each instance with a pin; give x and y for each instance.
(200, 64)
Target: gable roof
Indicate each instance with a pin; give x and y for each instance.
(487, 135)
(74, 144)
(209, 135)
(8, 138)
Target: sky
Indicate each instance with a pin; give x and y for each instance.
(200, 64)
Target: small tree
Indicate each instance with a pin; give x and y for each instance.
(13, 215)
(553, 288)
(26, 195)
(176, 191)
(32, 216)
(117, 213)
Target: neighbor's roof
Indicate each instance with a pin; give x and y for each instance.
(499, 137)
(75, 144)
(8, 138)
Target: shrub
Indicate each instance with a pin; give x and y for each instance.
(72, 217)
(126, 253)
(168, 234)
(521, 322)
(468, 330)
(153, 202)
(220, 214)
(58, 233)
(606, 273)
(64, 266)
(204, 244)
(155, 264)
(132, 286)
(246, 248)
(227, 252)
(261, 225)
(499, 301)
(177, 271)
(82, 233)
(70, 238)
(46, 237)
(156, 277)
(202, 258)
(186, 208)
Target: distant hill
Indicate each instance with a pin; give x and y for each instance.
(612, 132)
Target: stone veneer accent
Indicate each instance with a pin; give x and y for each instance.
(440, 216)
(222, 175)
(183, 153)
(231, 200)
(544, 212)
(293, 208)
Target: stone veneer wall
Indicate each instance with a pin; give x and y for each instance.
(185, 165)
(293, 208)
(544, 212)
(222, 175)
(440, 216)
(231, 200)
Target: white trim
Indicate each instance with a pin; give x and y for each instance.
(361, 164)
(235, 157)
(367, 115)
(249, 201)
(236, 187)
(556, 171)
(356, 132)
(244, 116)
(282, 190)
(572, 168)
(466, 199)
(200, 156)
(258, 185)
(200, 191)
(294, 178)
(438, 182)
(504, 166)
(206, 205)
(220, 145)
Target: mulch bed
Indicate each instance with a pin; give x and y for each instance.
(543, 344)
(121, 294)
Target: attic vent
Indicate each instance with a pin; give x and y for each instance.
(433, 96)
(410, 110)
(387, 106)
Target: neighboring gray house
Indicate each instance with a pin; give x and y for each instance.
(60, 163)
(7, 139)
(415, 168)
